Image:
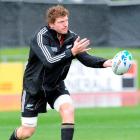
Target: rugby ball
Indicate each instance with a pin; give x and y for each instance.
(121, 62)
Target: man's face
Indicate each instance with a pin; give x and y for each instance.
(60, 25)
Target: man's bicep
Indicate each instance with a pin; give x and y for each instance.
(42, 51)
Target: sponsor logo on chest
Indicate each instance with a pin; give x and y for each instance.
(54, 49)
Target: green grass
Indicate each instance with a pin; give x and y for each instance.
(91, 124)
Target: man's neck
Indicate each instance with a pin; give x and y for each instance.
(60, 38)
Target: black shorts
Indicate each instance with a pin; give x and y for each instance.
(31, 105)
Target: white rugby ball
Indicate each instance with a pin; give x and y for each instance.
(121, 62)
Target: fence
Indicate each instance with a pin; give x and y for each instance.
(104, 24)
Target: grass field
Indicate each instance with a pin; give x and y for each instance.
(21, 54)
(91, 124)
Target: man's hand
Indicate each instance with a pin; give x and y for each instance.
(80, 46)
(107, 63)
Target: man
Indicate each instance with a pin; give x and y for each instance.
(52, 50)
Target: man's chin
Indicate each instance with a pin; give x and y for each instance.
(64, 32)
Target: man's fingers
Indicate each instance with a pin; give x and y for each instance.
(88, 49)
(77, 39)
(80, 42)
(83, 40)
(84, 44)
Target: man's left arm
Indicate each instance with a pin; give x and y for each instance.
(93, 61)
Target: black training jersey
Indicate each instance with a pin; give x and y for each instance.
(49, 62)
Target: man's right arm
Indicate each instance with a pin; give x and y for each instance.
(41, 47)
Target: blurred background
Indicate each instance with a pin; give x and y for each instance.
(111, 25)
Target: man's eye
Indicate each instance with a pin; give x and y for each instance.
(61, 21)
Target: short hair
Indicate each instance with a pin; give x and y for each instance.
(55, 12)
